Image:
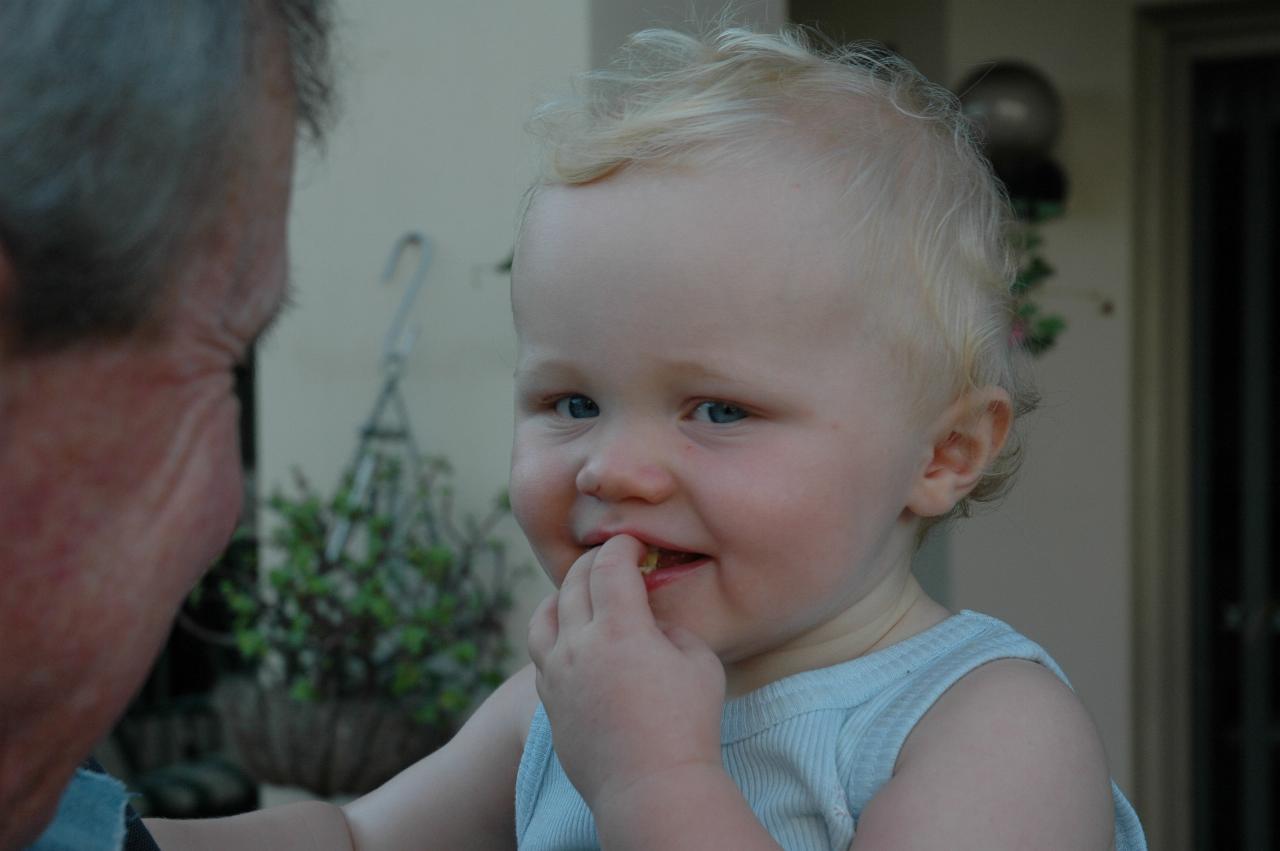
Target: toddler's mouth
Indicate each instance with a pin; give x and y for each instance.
(658, 558)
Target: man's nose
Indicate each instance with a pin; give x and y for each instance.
(626, 466)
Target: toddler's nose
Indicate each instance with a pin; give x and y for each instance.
(623, 470)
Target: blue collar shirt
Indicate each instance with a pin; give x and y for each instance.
(90, 817)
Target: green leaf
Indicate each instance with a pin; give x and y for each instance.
(250, 643)
(407, 676)
(427, 715)
(343, 505)
(434, 563)
(1050, 326)
(1032, 275)
(465, 652)
(1048, 210)
(242, 534)
(299, 630)
(241, 604)
(381, 524)
(304, 690)
(319, 586)
(452, 700)
(301, 557)
(413, 638)
(382, 610)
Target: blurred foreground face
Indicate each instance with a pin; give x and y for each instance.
(699, 369)
(121, 476)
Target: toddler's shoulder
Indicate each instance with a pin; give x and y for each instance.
(1017, 703)
(1006, 757)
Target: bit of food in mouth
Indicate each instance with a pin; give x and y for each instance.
(657, 558)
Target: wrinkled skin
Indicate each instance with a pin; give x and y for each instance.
(121, 476)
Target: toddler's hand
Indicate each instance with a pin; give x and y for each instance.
(629, 701)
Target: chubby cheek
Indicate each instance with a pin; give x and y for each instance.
(808, 533)
(542, 494)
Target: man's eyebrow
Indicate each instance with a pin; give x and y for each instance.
(285, 303)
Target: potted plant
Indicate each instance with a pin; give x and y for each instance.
(368, 654)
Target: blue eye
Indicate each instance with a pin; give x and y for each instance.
(577, 407)
(720, 413)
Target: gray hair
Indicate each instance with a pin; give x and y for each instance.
(117, 117)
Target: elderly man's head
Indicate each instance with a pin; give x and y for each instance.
(146, 152)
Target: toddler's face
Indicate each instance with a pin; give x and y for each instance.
(696, 370)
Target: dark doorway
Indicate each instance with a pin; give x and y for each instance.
(1235, 167)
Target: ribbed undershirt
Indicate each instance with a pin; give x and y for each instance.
(810, 750)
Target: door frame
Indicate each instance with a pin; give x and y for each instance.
(1170, 40)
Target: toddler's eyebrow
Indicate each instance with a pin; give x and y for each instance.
(555, 369)
(544, 369)
(699, 370)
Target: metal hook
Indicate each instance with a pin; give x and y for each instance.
(395, 349)
(399, 341)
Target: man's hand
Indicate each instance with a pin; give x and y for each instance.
(631, 703)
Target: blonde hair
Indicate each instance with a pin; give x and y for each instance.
(925, 208)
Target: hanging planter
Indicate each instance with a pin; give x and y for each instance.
(368, 656)
(329, 747)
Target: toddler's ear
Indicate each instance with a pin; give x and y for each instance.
(967, 439)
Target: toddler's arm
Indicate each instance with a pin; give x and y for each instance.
(460, 797)
(635, 712)
(1007, 758)
(304, 826)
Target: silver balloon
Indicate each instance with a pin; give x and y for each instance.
(1016, 109)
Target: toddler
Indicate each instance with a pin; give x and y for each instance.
(762, 306)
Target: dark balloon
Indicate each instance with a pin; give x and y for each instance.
(1017, 111)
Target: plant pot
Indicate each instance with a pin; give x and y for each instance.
(335, 747)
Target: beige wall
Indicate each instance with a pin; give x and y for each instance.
(613, 20)
(435, 96)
